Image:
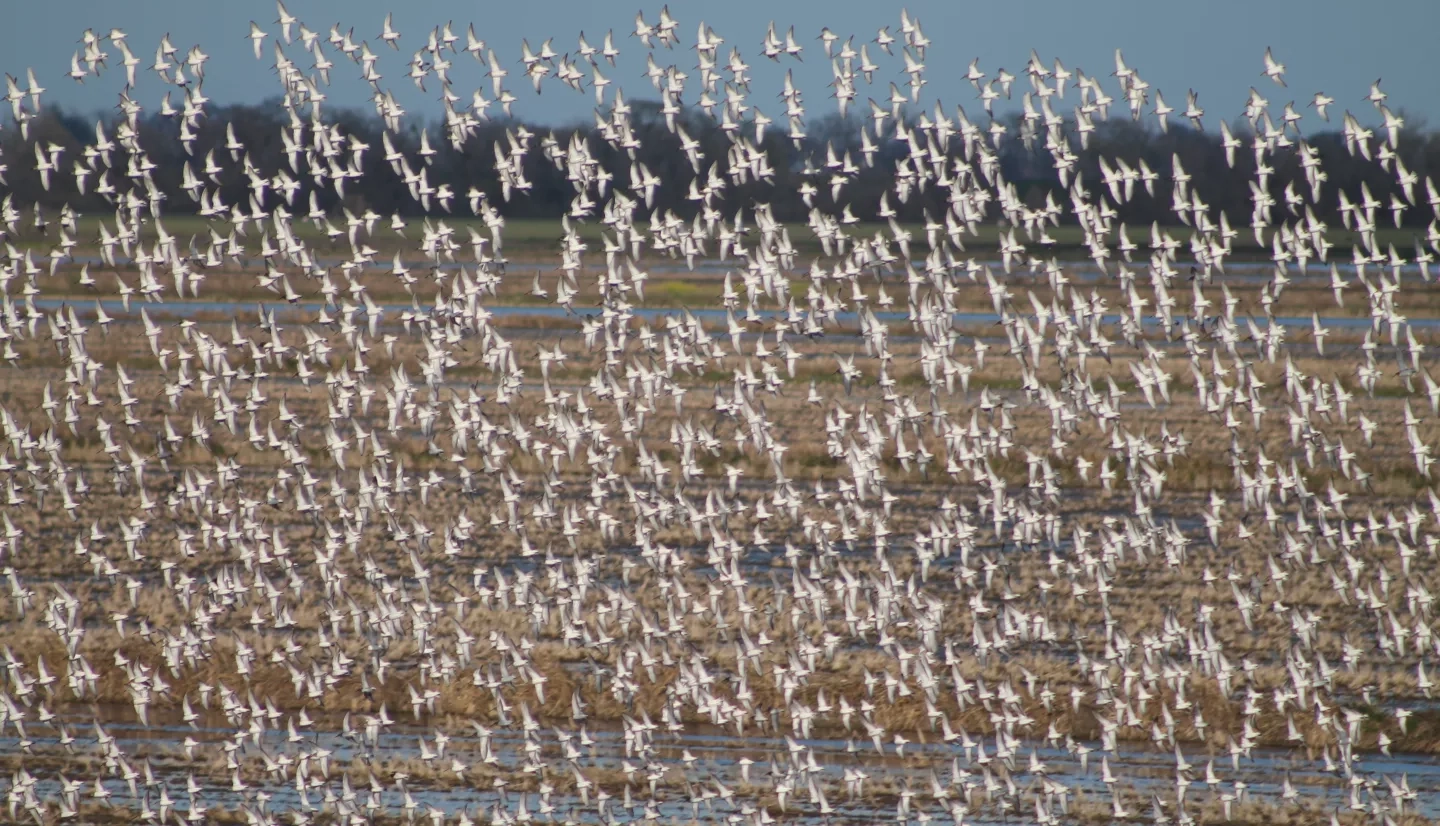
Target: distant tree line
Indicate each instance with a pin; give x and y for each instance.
(472, 165)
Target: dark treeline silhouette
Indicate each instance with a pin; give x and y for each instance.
(1030, 169)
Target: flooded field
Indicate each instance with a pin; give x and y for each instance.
(428, 657)
(405, 771)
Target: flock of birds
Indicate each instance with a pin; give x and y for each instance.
(218, 530)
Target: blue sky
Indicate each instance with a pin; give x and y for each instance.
(1213, 47)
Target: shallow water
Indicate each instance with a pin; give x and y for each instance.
(245, 309)
(700, 755)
